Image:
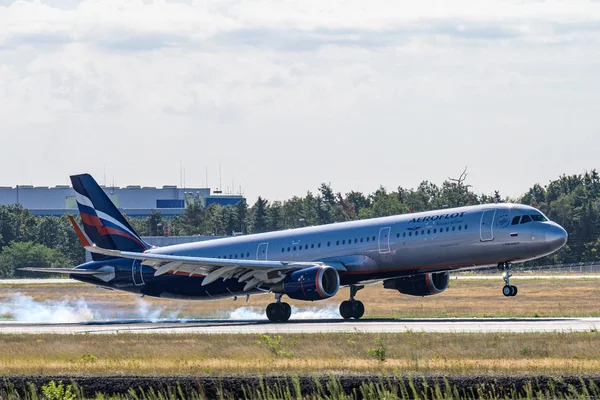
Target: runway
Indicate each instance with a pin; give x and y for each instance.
(311, 326)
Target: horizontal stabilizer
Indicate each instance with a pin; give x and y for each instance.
(70, 271)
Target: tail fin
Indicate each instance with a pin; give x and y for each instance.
(102, 221)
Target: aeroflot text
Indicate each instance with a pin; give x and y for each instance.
(438, 217)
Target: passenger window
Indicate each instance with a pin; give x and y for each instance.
(409, 233)
(428, 231)
(404, 234)
(312, 246)
(435, 230)
(294, 248)
(247, 254)
(337, 242)
(422, 232)
(515, 220)
(355, 240)
(525, 219)
(460, 227)
(447, 229)
(328, 244)
(361, 240)
(319, 245)
(453, 228)
(289, 249)
(367, 239)
(306, 247)
(344, 241)
(466, 226)
(282, 250)
(416, 233)
(373, 238)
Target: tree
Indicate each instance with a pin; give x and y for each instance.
(241, 215)
(358, 200)
(191, 221)
(155, 223)
(275, 216)
(28, 254)
(259, 216)
(16, 224)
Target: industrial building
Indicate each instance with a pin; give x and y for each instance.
(134, 201)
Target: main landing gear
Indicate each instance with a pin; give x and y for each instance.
(508, 290)
(352, 308)
(278, 311)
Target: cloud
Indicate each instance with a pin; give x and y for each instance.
(305, 85)
(286, 26)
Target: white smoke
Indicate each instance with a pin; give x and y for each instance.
(23, 308)
(250, 313)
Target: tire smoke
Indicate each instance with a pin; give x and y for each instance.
(21, 308)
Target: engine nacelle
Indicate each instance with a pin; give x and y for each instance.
(314, 283)
(420, 285)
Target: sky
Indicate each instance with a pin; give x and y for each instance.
(276, 97)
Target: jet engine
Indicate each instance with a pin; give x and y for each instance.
(420, 285)
(314, 283)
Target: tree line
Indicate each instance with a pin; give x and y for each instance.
(571, 200)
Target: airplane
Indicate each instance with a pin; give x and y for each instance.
(411, 253)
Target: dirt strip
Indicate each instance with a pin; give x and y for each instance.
(237, 386)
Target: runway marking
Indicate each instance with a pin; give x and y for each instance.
(454, 325)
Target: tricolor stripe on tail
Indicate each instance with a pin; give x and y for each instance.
(102, 221)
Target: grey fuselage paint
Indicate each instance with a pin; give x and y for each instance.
(362, 251)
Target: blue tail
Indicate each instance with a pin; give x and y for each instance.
(102, 221)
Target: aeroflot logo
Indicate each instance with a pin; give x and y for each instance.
(438, 217)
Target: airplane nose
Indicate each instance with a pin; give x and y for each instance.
(556, 236)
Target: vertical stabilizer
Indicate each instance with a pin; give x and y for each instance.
(102, 221)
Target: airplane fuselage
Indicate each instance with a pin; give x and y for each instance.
(361, 251)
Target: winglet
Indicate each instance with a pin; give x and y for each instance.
(83, 238)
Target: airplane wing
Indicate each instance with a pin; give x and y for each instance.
(70, 271)
(253, 272)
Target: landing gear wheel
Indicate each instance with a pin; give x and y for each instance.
(279, 312)
(346, 309)
(509, 290)
(358, 309)
(288, 311)
(352, 309)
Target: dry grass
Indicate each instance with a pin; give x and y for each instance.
(464, 298)
(186, 354)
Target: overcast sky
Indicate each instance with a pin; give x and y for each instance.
(287, 94)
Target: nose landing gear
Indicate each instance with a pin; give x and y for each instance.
(508, 290)
(352, 308)
(278, 311)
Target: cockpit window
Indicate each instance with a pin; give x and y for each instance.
(515, 220)
(538, 218)
(525, 219)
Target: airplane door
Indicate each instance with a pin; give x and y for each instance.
(136, 273)
(487, 225)
(384, 240)
(261, 251)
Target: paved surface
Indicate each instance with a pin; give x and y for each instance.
(308, 326)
